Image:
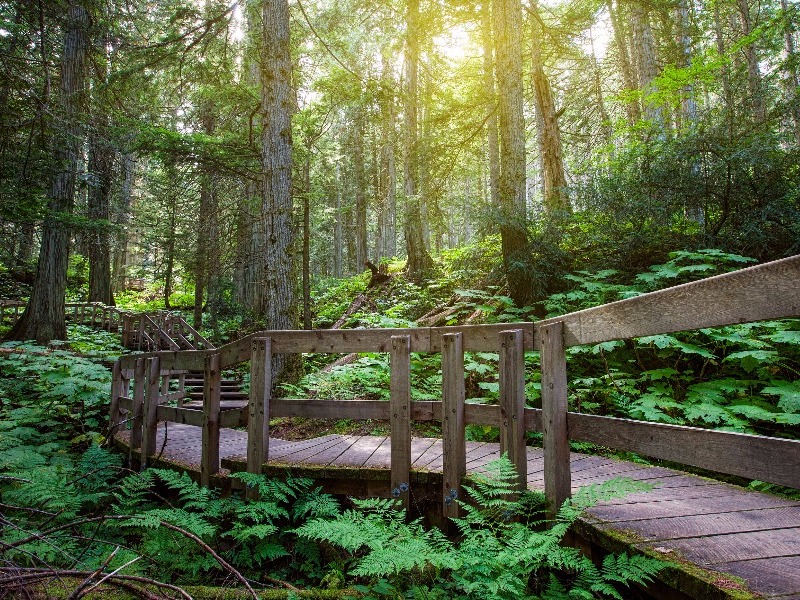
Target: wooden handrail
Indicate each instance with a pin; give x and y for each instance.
(768, 459)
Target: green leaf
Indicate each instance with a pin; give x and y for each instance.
(752, 359)
(789, 392)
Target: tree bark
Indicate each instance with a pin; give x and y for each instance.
(646, 65)
(388, 172)
(43, 319)
(419, 262)
(554, 181)
(121, 219)
(278, 303)
(507, 17)
(493, 150)
(754, 84)
(791, 79)
(362, 254)
(632, 107)
(101, 170)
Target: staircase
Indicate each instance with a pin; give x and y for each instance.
(231, 395)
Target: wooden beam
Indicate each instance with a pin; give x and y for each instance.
(512, 402)
(454, 445)
(117, 383)
(400, 417)
(774, 460)
(258, 406)
(557, 478)
(766, 291)
(150, 412)
(138, 403)
(212, 385)
(481, 338)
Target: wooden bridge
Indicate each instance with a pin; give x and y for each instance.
(722, 540)
(142, 331)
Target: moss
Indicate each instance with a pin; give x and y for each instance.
(679, 574)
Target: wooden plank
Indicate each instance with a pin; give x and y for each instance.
(400, 417)
(756, 457)
(739, 521)
(327, 455)
(209, 463)
(557, 484)
(307, 449)
(382, 457)
(326, 341)
(715, 549)
(776, 576)
(117, 390)
(681, 507)
(149, 413)
(426, 450)
(766, 291)
(359, 452)
(330, 409)
(512, 401)
(455, 451)
(481, 338)
(184, 416)
(138, 403)
(259, 406)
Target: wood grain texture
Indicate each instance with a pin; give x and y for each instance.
(259, 405)
(480, 338)
(512, 401)
(117, 390)
(766, 291)
(776, 576)
(454, 456)
(149, 412)
(140, 367)
(557, 479)
(400, 416)
(212, 379)
(756, 457)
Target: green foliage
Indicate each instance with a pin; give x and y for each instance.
(501, 549)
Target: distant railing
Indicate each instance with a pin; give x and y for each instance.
(93, 314)
(767, 291)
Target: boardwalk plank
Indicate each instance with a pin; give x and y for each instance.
(667, 528)
(684, 507)
(771, 576)
(382, 456)
(733, 547)
(431, 453)
(359, 452)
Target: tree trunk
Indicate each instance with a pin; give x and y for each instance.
(491, 104)
(43, 319)
(554, 182)
(754, 85)
(388, 168)
(629, 83)
(646, 65)
(337, 226)
(507, 15)
(419, 262)
(278, 306)
(121, 219)
(362, 253)
(307, 238)
(684, 41)
(101, 170)
(791, 79)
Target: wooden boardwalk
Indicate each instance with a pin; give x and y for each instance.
(719, 527)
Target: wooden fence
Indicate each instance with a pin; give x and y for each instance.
(767, 291)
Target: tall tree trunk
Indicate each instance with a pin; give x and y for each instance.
(278, 305)
(646, 65)
(388, 168)
(122, 217)
(338, 215)
(684, 41)
(493, 150)
(507, 17)
(791, 79)
(362, 252)
(101, 169)
(307, 238)
(553, 178)
(629, 83)
(169, 250)
(43, 319)
(754, 85)
(419, 262)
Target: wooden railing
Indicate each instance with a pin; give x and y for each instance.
(767, 291)
(148, 332)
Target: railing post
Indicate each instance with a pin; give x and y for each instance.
(141, 333)
(258, 408)
(557, 476)
(117, 383)
(125, 330)
(454, 466)
(400, 417)
(137, 404)
(512, 402)
(150, 412)
(212, 384)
